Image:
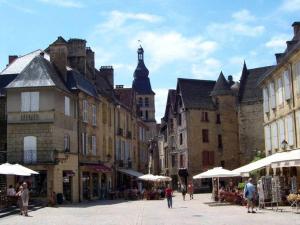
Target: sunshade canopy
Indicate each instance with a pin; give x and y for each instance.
(287, 159)
(25, 169)
(10, 169)
(130, 172)
(148, 177)
(216, 172)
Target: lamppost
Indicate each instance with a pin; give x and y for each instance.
(150, 150)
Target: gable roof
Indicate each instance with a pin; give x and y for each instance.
(125, 96)
(196, 93)
(249, 90)
(170, 103)
(38, 73)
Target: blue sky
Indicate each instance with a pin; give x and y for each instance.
(181, 38)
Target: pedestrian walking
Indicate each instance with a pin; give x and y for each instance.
(183, 191)
(191, 190)
(169, 194)
(250, 194)
(25, 198)
(19, 201)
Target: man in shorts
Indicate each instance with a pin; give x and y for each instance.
(249, 194)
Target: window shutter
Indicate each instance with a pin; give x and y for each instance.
(280, 124)
(94, 144)
(67, 106)
(211, 158)
(83, 143)
(287, 85)
(86, 143)
(297, 70)
(266, 100)
(25, 101)
(34, 101)
(290, 130)
(272, 95)
(274, 136)
(267, 138)
(279, 91)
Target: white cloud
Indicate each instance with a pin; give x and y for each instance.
(18, 7)
(241, 25)
(64, 3)
(164, 48)
(277, 43)
(290, 5)
(207, 69)
(117, 19)
(161, 95)
(243, 15)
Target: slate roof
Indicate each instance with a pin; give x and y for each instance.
(249, 90)
(103, 86)
(38, 73)
(141, 83)
(170, 103)
(19, 64)
(196, 93)
(222, 87)
(4, 81)
(77, 81)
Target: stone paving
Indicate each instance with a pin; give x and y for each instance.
(196, 211)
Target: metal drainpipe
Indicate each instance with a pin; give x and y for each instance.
(294, 112)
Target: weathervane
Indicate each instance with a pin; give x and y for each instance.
(139, 41)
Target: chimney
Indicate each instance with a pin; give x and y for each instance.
(296, 26)
(290, 45)
(11, 58)
(279, 57)
(77, 54)
(108, 73)
(230, 80)
(90, 63)
(58, 56)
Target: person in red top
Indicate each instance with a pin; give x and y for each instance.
(169, 193)
(191, 190)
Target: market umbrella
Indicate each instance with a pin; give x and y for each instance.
(163, 178)
(148, 177)
(25, 169)
(216, 172)
(9, 169)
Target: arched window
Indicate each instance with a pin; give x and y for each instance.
(30, 155)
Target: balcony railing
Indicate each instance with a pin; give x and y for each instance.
(27, 117)
(33, 157)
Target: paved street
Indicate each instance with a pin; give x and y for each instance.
(197, 211)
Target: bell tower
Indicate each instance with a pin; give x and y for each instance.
(144, 93)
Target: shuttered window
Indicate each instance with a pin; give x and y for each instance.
(279, 91)
(274, 136)
(83, 144)
(94, 115)
(281, 130)
(272, 95)
(94, 145)
(67, 106)
(267, 138)
(29, 101)
(85, 111)
(287, 85)
(290, 129)
(266, 100)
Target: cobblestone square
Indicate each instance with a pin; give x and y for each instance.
(196, 211)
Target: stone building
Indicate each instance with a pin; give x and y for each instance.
(250, 108)
(210, 123)
(281, 104)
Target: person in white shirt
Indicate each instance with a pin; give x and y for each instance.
(11, 191)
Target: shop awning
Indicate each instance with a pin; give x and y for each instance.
(287, 159)
(267, 161)
(99, 167)
(130, 172)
